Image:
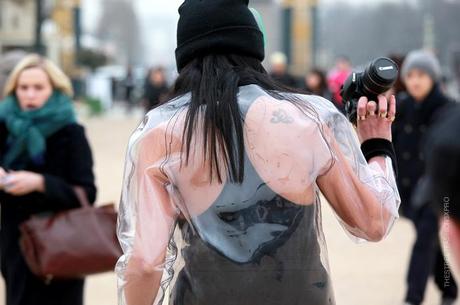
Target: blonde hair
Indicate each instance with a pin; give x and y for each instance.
(58, 79)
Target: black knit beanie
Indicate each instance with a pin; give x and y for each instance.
(217, 27)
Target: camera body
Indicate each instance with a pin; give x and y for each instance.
(378, 77)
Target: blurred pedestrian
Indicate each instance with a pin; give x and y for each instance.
(234, 161)
(421, 73)
(337, 77)
(439, 186)
(279, 70)
(129, 84)
(43, 154)
(316, 83)
(155, 88)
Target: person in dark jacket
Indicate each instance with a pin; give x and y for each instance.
(316, 83)
(279, 71)
(439, 186)
(155, 88)
(129, 84)
(43, 154)
(421, 73)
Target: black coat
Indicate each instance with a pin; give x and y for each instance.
(286, 80)
(68, 162)
(413, 121)
(154, 95)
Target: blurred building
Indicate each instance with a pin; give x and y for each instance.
(272, 13)
(300, 33)
(51, 27)
(291, 29)
(64, 38)
(17, 24)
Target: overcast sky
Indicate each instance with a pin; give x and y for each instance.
(169, 7)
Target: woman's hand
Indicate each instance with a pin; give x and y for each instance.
(22, 183)
(375, 124)
(3, 173)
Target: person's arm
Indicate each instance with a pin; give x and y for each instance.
(365, 202)
(362, 193)
(52, 192)
(146, 222)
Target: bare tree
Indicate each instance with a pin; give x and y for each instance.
(447, 28)
(362, 33)
(119, 24)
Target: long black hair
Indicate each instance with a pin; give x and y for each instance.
(213, 81)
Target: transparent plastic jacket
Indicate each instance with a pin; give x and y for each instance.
(196, 241)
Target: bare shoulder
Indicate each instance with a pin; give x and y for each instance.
(283, 141)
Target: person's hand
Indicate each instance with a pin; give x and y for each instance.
(3, 173)
(22, 183)
(375, 122)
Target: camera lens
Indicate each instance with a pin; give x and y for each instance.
(380, 76)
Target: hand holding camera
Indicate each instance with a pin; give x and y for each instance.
(365, 106)
(375, 118)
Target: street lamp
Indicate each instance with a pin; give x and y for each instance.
(38, 45)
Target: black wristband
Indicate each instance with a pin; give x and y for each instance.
(376, 147)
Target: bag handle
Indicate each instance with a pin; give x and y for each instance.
(81, 195)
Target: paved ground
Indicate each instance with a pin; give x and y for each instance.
(365, 274)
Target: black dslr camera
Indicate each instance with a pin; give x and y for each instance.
(378, 77)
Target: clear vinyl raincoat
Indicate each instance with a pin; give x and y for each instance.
(190, 240)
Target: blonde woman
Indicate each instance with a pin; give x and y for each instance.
(43, 154)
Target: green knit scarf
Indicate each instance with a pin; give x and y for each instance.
(28, 130)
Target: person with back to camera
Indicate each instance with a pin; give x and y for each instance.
(43, 154)
(236, 162)
(421, 73)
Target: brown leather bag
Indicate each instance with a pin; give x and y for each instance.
(71, 244)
